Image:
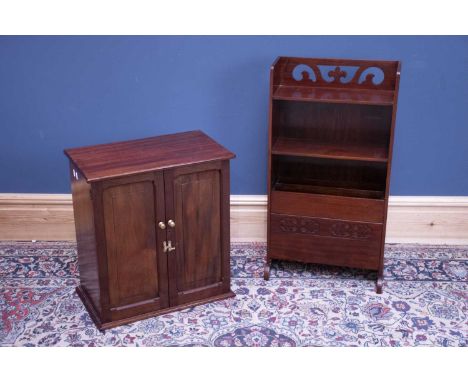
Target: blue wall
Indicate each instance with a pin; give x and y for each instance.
(59, 92)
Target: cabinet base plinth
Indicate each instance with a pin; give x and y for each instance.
(107, 325)
(89, 306)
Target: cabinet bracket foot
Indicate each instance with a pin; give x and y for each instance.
(379, 285)
(266, 270)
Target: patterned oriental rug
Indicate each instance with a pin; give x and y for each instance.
(424, 303)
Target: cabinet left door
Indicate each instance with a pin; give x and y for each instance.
(136, 265)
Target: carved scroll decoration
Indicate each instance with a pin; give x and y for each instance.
(299, 225)
(318, 74)
(351, 230)
(311, 226)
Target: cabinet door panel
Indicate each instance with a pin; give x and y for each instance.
(137, 272)
(194, 202)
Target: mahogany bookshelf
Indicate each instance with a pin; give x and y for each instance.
(331, 128)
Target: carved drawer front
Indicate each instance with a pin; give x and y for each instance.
(328, 206)
(325, 241)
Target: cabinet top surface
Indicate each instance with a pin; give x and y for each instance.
(116, 159)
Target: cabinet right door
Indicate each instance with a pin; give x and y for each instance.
(197, 202)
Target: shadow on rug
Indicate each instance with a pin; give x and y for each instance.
(424, 303)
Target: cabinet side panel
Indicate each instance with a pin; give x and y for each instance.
(198, 232)
(131, 243)
(85, 237)
(225, 226)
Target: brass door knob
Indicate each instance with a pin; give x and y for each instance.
(162, 225)
(171, 223)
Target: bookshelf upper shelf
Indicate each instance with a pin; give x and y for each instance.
(333, 95)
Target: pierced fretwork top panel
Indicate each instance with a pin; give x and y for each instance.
(335, 73)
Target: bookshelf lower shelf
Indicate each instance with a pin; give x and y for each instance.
(307, 148)
(323, 189)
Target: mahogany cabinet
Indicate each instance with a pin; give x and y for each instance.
(331, 128)
(152, 225)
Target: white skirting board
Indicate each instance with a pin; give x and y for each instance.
(411, 219)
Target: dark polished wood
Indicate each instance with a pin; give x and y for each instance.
(136, 264)
(85, 238)
(343, 242)
(330, 95)
(125, 222)
(327, 206)
(328, 176)
(200, 255)
(333, 77)
(117, 159)
(331, 131)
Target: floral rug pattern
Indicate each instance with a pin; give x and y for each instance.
(424, 303)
